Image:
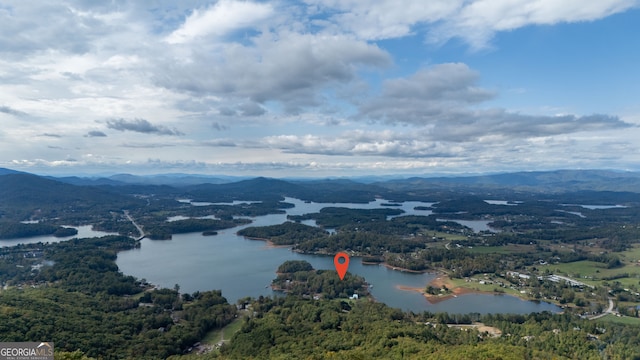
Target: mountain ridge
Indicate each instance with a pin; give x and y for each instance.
(545, 181)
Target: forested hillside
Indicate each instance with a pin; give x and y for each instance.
(287, 328)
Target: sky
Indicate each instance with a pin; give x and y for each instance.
(317, 88)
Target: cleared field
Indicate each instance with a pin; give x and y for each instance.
(446, 236)
(580, 269)
(224, 334)
(475, 285)
(507, 249)
(620, 320)
(627, 282)
(631, 255)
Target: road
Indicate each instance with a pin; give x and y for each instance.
(608, 311)
(142, 234)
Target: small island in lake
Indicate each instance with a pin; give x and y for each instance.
(298, 277)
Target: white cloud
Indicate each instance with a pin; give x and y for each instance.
(220, 19)
(384, 143)
(287, 67)
(384, 19)
(440, 92)
(270, 76)
(444, 100)
(474, 21)
(477, 21)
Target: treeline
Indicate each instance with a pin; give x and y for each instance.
(310, 239)
(409, 225)
(460, 262)
(223, 211)
(164, 230)
(612, 237)
(336, 217)
(472, 207)
(365, 243)
(15, 230)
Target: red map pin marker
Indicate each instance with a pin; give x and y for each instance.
(341, 268)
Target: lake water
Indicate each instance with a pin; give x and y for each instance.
(84, 231)
(502, 202)
(475, 225)
(241, 267)
(597, 207)
(577, 213)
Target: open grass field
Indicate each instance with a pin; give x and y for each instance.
(474, 284)
(590, 268)
(213, 337)
(632, 255)
(508, 249)
(446, 236)
(628, 282)
(620, 320)
(580, 269)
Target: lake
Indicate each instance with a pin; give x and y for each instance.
(597, 207)
(241, 267)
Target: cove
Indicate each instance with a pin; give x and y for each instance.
(241, 267)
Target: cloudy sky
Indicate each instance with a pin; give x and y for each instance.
(319, 87)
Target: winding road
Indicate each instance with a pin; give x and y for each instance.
(608, 311)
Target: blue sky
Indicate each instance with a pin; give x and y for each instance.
(319, 87)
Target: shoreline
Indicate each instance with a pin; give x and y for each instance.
(397, 268)
(455, 291)
(441, 279)
(269, 243)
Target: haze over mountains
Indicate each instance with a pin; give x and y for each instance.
(537, 181)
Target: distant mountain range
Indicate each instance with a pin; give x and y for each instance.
(22, 195)
(4, 171)
(78, 199)
(535, 181)
(164, 179)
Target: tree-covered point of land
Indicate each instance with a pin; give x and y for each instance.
(299, 278)
(287, 233)
(292, 266)
(14, 230)
(335, 217)
(165, 229)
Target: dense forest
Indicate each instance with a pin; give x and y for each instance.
(72, 293)
(290, 327)
(14, 230)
